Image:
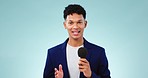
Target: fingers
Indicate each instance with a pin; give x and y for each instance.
(56, 71)
(59, 73)
(60, 68)
(84, 67)
(83, 62)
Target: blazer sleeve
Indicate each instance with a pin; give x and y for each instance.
(49, 69)
(103, 66)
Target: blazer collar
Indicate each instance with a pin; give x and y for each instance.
(86, 44)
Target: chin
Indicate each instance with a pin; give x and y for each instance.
(76, 38)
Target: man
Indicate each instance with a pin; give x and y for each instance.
(63, 61)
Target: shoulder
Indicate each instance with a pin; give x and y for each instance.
(93, 46)
(96, 46)
(59, 46)
(58, 49)
(55, 48)
(96, 49)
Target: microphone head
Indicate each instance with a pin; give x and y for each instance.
(82, 52)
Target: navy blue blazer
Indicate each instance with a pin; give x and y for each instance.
(96, 57)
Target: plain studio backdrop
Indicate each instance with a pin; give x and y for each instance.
(29, 27)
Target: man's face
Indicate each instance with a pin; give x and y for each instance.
(75, 25)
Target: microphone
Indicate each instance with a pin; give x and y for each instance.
(82, 52)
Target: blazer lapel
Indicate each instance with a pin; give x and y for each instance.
(88, 47)
(65, 66)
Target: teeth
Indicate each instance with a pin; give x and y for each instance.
(75, 32)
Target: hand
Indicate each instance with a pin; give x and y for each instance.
(85, 67)
(59, 73)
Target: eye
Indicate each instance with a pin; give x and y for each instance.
(70, 22)
(80, 22)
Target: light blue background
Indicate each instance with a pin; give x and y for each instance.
(29, 27)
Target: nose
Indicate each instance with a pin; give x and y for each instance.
(75, 26)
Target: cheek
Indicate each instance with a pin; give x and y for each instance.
(82, 27)
(69, 30)
(68, 27)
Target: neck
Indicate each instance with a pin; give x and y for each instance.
(75, 42)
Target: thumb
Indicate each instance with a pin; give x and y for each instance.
(60, 68)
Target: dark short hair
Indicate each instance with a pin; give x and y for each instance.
(74, 8)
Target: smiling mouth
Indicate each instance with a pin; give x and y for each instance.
(75, 32)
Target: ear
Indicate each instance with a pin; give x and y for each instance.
(64, 23)
(85, 23)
